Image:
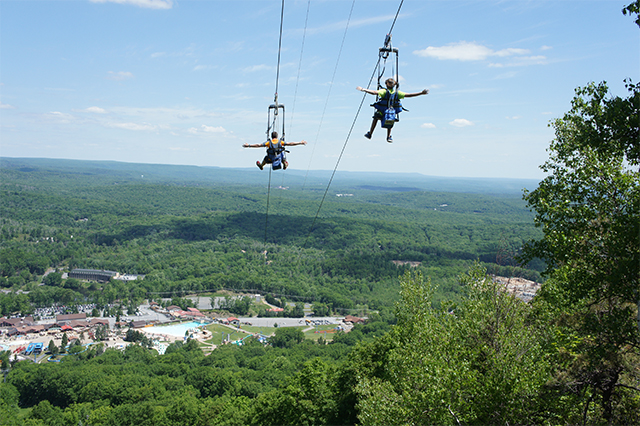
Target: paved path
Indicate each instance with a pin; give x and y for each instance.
(289, 322)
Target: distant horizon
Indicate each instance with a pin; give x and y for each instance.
(290, 170)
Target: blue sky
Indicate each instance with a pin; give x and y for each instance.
(188, 82)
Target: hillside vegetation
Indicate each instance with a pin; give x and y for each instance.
(200, 236)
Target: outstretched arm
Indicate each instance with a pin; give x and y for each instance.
(369, 91)
(253, 145)
(294, 143)
(411, 95)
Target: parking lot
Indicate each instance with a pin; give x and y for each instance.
(291, 322)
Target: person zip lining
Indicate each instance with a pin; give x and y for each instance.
(388, 106)
(275, 151)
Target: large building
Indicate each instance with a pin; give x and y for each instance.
(101, 276)
(92, 275)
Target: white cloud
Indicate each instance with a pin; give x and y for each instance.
(461, 122)
(61, 117)
(462, 51)
(356, 23)
(256, 68)
(96, 110)
(546, 47)
(428, 126)
(206, 129)
(467, 51)
(149, 4)
(522, 61)
(211, 129)
(158, 54)
(6, 106)
(119, 76)
(133, 126)
(515, 117)
(505, 75)
(510, 52)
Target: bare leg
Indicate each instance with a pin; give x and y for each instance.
(373, 126)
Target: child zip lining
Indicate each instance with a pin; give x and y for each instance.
(275, 152)
(387, 99)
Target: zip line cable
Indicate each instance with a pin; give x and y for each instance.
(339, 158)
(279, 50)
(304, 35)
(275, 100)
(396, 17)
(295, 93)
(323, 113)
(266, 218)
(348, 134)
(335, 69)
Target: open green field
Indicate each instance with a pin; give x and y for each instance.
(218, 330)
(325, 331)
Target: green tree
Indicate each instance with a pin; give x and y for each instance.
(4, 359)
(101, 332)
(8, 404)
(308, 400)
(53, 279)
(633, 8)
(298, 310)
(320, 309)
(589, 210)
(286, 337)
(52, 348)
(63, 344)
(478, 363)
(50, 414)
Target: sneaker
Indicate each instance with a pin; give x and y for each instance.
(259, 164)
(367, 135)
(285, 164)
(389, 139)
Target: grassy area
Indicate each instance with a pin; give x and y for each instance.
(217, 330)
(265, 331)
(324, 331)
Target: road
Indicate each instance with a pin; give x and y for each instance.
(290, 322)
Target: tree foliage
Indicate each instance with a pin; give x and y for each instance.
(480, 362)
(633, 8)
(589, 211)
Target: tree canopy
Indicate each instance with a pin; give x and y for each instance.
(589, 211)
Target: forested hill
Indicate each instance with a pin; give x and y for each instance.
(191, 229)
(215, 176)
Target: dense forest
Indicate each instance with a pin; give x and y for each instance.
(196, 236)
(444, 343)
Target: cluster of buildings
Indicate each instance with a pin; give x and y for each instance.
(68, 322)
(176, 312)
(519, 287)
